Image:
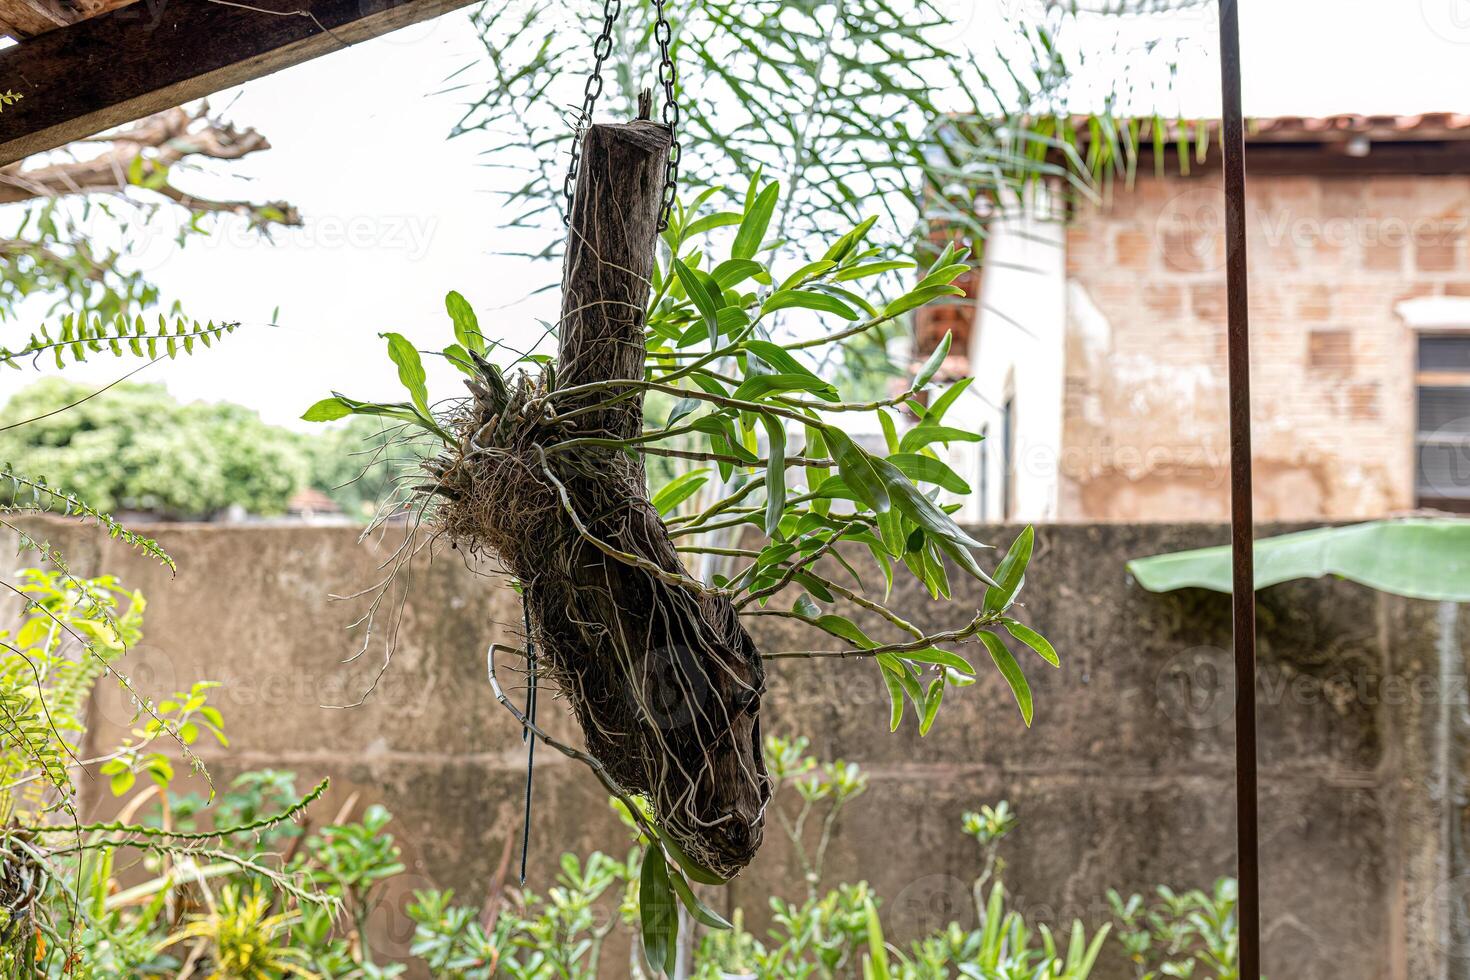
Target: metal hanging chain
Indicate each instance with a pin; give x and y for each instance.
(601, 48)
(663, 34)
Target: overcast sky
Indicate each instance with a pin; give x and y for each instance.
(396, 214)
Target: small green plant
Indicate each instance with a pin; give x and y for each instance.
(824, 790)
(1190, 934)
(244, 938)
(989, 826)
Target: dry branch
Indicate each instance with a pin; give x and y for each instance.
(144, 152)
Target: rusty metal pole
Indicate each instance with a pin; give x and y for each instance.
(1241, 518)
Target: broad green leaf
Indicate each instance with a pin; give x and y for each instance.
(890, 431)
(327, 410)
(410, 370)
(657, 912)
(964, 559)
(1034, 640)
(460, 358)
(678, 490)
(787, 298)
(816, 448)
(1421, 558)
(895, 698)
(923, 434)
(870, 269)
(708, 304)
(804, 606)
(690, 867)
(927, 469)
(845, 628)
(857, 470)
(701, 912)
(935, 412)
(466, 324)
(931, 705)
(919, 297)
(683, 408)
(777, 357)
(710, 222)
(944, 658)
(1010, 573)
(875, 967)
(907, 679)
(775, 472)
(757, 219)
(732, 272)
(761, 385)
(919, 508)
(1011, 671)
(931, 366)
(808, 271)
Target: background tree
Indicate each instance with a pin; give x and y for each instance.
(130, 175)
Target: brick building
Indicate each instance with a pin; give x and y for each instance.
(1096, 334)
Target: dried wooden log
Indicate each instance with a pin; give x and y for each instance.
(663, 678)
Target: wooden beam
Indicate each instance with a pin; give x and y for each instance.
(127, 63)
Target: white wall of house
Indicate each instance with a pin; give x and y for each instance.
(1017, 358)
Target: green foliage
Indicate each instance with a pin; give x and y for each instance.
(858, 105)
(77, 920)
(77, 337)
(746, 384)
(68, 633)
(134, 447)
(1191, 934)
(822, 790)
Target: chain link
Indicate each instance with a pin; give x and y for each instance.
(663, 34)
(601, 49)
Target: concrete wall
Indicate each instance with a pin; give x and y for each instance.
(1125, 779)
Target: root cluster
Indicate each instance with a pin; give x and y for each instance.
(661, 675)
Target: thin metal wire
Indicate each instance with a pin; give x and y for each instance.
(1242, 538)
(528, 737)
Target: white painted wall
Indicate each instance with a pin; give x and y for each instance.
(1017, 352)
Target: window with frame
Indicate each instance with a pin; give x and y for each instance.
(1442, 437)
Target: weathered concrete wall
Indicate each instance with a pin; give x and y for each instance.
(1125, 779)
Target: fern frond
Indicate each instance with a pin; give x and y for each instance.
(34, 496)
(80, 335)
(26, 733)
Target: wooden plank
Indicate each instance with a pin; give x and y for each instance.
(127, 63)
(27, 18)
